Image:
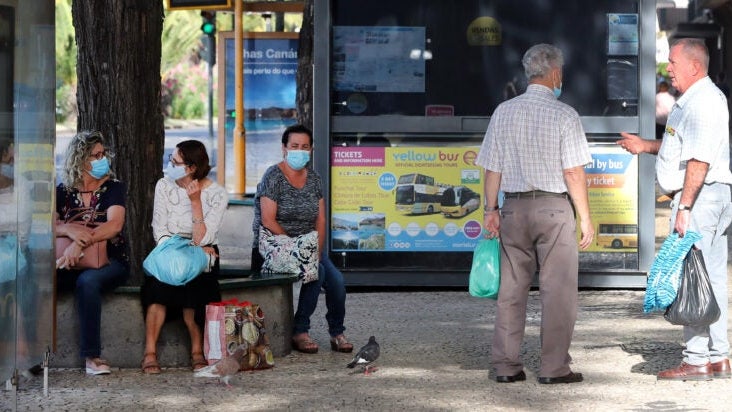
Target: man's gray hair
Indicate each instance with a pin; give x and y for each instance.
(540, 59)
(694, 49)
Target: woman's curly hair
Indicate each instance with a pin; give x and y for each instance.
(77, 153)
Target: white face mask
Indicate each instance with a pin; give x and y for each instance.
(175, 172)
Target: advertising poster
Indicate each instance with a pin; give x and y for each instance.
(270, 65)
(405, 199)
(612, 182)
(378, 59)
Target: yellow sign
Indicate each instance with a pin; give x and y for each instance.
(484, 31)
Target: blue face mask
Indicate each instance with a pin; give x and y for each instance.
(100, 168)
(558, 91)
(297, 159)
(7, 170)
(175, 172)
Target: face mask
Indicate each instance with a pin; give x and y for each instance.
(175, 172)
(100, 168)
(558, 91)
(7, 170)
(297, 159)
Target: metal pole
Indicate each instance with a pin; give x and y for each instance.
(239, 131)
(210, 91)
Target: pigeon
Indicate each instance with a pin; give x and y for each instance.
(225, 368)
(366, 355)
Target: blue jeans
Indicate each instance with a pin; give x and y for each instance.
(89, 285)
(331, 279)
(710, 216)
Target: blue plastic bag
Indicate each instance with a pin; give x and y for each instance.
(664, 276)
(176, 261)
(12, 260)
(485, 274)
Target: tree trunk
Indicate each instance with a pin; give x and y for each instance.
(118, 69)
(304, 79)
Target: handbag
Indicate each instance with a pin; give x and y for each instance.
(285, 254)
(485, 273)
(93, 256)
(695, 304)
(232, 323)
(176, 261)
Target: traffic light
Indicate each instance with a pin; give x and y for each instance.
(209, 36)
(208, 49)
(208, 27)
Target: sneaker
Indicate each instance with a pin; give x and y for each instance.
(97, 366)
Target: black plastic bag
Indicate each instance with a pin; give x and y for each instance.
(695, 304)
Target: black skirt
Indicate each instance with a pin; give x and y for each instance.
(196, 294)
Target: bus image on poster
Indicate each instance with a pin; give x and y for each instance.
(617, 235)
(458, 201)
(417, 194)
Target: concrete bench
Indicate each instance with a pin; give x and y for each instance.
(123, 328)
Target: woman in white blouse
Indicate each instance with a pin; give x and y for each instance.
(189, 204)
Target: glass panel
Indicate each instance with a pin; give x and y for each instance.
(411, 195)
(8, 202)
(27, 124)
(463, 58)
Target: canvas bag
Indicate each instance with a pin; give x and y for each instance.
(232, 323)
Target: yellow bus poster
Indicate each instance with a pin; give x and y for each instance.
(405, 198)
(612, 182)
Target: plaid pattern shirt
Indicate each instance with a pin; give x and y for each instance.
(531, 139)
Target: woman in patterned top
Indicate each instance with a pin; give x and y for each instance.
(289, 201)
(89, 194)
(189, 204)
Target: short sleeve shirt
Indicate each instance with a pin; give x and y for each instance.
(297, 209)
(531, 139)
(69, 205)
(697, 128)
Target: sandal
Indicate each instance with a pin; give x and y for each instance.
(304, 344)
(151, 367)
(341, 344)
(198, 361)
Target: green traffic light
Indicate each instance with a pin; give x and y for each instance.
(208, 28)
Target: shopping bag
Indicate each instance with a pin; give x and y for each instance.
(232, 323)
(664, 276)
(176, 261)
(485, 273)
(695, 304)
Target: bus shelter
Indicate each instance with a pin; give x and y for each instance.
(403, 93)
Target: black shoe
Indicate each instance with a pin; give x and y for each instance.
(521, 376)
(571, 377)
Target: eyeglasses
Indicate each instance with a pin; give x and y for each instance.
(174, 163)
(99, 155)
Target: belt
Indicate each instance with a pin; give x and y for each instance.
(534, 194)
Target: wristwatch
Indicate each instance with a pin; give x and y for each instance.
(684, 207)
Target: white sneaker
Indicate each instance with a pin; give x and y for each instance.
(97, 366)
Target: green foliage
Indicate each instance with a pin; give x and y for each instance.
(661, 70)
(65, 44)
(181, 38)
(185, 91)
